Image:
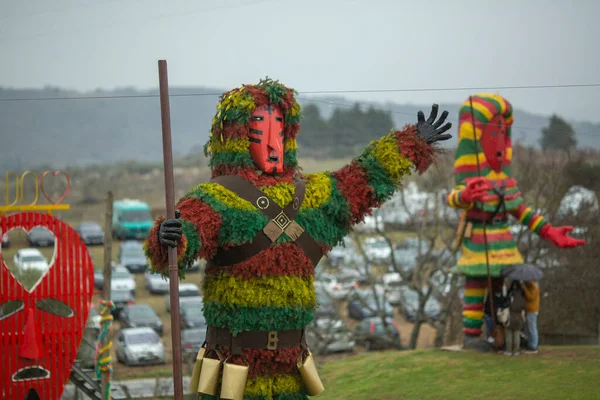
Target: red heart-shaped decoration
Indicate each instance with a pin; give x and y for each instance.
(55, 173)
(37, 339)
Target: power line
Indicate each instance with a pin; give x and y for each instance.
(586, 85)
(589, 85)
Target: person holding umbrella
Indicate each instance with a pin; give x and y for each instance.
(532, 308)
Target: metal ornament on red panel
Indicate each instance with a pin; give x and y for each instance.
(38, 343)
(266, 139)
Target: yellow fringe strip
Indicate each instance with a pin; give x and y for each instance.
(282, 193)
(318, 190)
(268, 386)
(226, 196)
(475, 292)
(290, 144)
(273, 291)
(240, 145)
(498, 257)
(387, 153)
(469, 159)
(473, 314)
(466, 131)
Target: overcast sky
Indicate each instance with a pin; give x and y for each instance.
(313, 45)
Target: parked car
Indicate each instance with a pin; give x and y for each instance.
(325, 305)
(28, 258)
(40, 237)
(140, 346)
(331, 286)
(139, 316)
(410, 305)
(191, 314)
(94, 319)
(329, 335)
(99, 279)
(120, 298)
(156, 283)
(91, 233)
(5, 241)
(132, 256)
(392, 284)
(377, 249)
(121, 279)
(132, 219)
(191, 341)
(363, 305)
(372, 333)
(187, 292)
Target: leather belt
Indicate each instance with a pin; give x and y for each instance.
(495, 220)
(269, 340)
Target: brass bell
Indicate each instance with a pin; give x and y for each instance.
(208, 381)
(197, 368)
(234, 381)
(310, 376)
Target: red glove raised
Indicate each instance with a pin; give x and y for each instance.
(558, 236)
(476, 190)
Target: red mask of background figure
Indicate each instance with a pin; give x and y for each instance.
(266, 139)
(494, 142)
(34, 340)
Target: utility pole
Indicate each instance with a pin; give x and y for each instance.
(106, 293)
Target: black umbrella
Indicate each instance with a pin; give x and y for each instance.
(523, 272)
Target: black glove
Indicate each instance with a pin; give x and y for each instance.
(431, 131)
(170, 231)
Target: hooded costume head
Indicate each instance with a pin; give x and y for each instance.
(253, 133)
(493, 120)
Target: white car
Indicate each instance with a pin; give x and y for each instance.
(156, 283)
(29, 258)
(139, 346)
(121, 279)
(377, 249)
(187, 292)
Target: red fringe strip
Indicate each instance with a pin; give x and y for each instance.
(281, 260)
(415, 148)
(251, 174)
(266, 362)
(353, 183)
(207, 222)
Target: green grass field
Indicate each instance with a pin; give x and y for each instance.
(554, 373)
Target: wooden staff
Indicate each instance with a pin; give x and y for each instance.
(172, 251)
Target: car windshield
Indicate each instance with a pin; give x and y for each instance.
(120, 295)
(136, 216)
(133, 252)
(40, 232)
(120, 275)
(90, 228)
(193, 335)
(33, 258)
(142, 338)
(141, 311)
(189, 293)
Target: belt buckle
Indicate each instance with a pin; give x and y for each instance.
(272, 341)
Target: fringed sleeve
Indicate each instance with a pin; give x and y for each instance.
(372, 178)
(200, 225)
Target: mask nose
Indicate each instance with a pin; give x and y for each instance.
(31, 347)
(275, 139)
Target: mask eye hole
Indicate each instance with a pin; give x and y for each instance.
(10, 308)
(257, 118)
(279, 119)
(55, 307)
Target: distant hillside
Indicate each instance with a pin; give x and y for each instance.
(86, 131)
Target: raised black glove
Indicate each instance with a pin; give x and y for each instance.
(431, 131)
(170, 231)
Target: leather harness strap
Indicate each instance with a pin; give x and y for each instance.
(281, 220)
(269, 340)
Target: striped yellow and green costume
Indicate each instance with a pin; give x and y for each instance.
(502, 249)
(273, 291)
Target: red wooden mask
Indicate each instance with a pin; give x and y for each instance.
(40, 339)
(495, 142)
(266, 139)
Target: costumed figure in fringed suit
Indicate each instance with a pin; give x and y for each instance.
(262, 226)
(486, 190)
